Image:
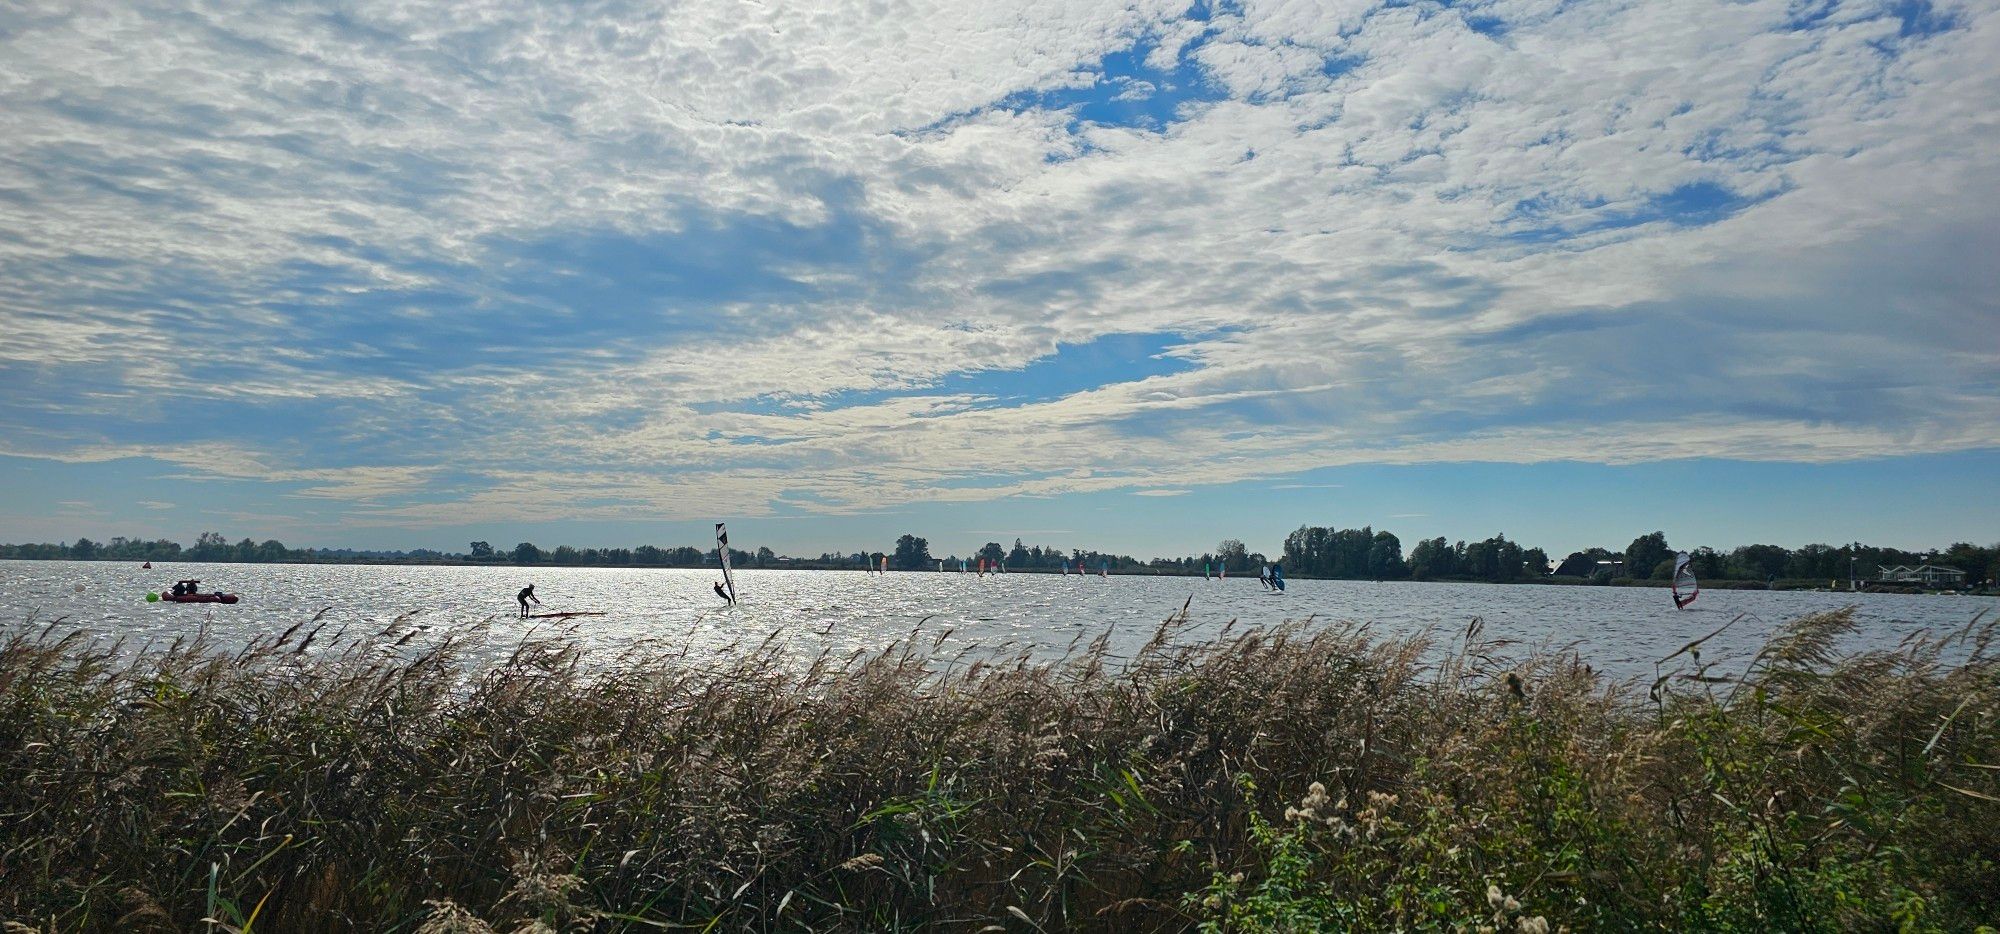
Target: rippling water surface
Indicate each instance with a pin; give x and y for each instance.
(1622, 630)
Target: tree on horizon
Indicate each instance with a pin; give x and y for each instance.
(912, 553)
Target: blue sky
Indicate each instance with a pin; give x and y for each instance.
(1138, 277)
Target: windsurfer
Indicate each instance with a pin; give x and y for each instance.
(527, 593)
(1686, 587)
(724, 594)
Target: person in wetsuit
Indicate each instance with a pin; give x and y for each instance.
(724, 594)
(527, 593)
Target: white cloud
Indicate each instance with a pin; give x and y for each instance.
(1393, 239)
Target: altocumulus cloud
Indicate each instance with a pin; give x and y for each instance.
(535, 261)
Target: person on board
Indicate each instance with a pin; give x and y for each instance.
(180, 588)
(527, 593)
(724, 594)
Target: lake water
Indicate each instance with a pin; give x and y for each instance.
(1621, 630)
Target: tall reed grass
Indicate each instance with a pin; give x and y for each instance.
(1289, 779)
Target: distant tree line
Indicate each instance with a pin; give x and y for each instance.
(1651, 557)
(1310, 551)
(913, 554)
(209, 546)
(1364, 554)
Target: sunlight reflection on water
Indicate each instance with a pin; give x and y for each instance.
(1620, 630)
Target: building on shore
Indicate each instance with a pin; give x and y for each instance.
(1928, 575)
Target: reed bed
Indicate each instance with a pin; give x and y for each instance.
(1307, 777)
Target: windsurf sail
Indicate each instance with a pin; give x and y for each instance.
(1204, 572)
(885, 564)
(722, 549)
(1278, 577)
(1104, 569)
(1686, 588)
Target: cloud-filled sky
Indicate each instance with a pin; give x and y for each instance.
(1134, 275)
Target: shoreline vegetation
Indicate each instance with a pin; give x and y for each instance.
(1310, 552)
(1284, 779)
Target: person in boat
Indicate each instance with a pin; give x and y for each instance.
(180, 588)
(724, 594)
(527, 593)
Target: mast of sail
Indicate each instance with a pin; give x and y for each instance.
(1686, 588)
(722, 549)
